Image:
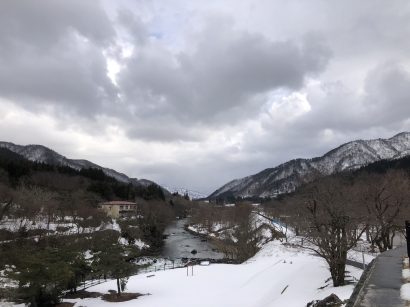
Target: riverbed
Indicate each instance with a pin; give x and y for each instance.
(180, 243)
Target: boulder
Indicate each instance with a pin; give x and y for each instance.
(331, 301)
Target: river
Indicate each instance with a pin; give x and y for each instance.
(179, 243)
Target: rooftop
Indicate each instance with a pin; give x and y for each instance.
(118, 202)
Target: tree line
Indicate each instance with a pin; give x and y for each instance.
(332, 214)
(335, 213)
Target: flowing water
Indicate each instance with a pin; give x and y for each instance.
(180, 243)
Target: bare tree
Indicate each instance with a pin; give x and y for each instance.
(31, 203)
(334, 227)
(6, 200)
(385, 197)
(244, 238)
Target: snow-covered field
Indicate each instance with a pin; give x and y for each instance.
(67, 227)
(278, 275)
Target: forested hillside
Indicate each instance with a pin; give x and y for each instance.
(51, 213)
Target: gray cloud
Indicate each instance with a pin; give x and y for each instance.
(338, 115)
(212, 90)
(52, 54)
(387, 94)
(134, 26)
(225, 70)
(42, 24)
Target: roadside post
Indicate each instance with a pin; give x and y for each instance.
(364, 263)
(192, 268)
(408, 237)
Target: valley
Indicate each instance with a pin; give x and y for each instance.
(105, 234)
(214, 153)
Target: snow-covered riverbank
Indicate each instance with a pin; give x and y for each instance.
(278, 275)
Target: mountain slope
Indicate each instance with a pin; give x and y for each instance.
(290, 175)
(42, 154)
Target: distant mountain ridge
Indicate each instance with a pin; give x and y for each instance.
(42, 154)
(182, 191)
(288, 176)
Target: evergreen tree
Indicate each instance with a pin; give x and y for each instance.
(42, 276)
(113, 261)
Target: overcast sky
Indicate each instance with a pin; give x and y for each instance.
(195, 93)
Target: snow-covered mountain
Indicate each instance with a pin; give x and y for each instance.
(290, 175)
(42, 154)
(183, 191)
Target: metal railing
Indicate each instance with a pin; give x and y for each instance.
(153, 268)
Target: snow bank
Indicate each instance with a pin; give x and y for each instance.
(406, 273)
(260, 282)
(405, 292)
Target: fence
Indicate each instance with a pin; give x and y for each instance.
(153, 268)
(90, 283)
(161, 267)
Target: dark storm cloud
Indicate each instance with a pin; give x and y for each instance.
(43, 23)
(51, 53)
(224, 69)
(205, 96)
(387, 94)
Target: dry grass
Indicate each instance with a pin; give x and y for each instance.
(83, 294)
(123, 297)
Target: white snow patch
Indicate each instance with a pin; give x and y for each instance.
(256, 283)
(138, 243)
(115, 226)
(405, 292)
(406, 273)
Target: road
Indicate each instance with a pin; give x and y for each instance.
(382, 288)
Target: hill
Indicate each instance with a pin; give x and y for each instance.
(288, 176)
